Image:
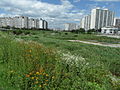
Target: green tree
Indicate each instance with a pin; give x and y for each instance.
(81, 30)
(91, 31)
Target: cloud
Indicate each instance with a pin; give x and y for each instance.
(76, 0)
(106, 0)
(33, 8)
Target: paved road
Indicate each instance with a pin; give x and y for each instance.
(93, 43)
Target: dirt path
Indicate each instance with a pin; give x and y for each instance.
(112, 36)
(93, 43)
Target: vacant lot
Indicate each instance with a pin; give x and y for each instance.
(46, 60)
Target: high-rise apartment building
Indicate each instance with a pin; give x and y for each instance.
(41, 24)
(85, 22)
(101, 18)
(45, 24)
(97, 19)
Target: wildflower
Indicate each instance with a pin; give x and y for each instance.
(12, 71)
(53, 77)
(30, 50)
(40, 85)
(32, 78)
(46, 74)
(27, 75)
(30, 73)
(37, 73)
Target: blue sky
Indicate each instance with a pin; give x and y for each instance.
(56, 12)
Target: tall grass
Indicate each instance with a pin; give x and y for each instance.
(28, 65)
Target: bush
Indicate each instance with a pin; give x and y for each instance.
(81, 30)
(17, 32)
(66, 33)
(91, 31)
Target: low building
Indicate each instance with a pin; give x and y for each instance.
(69, 26)
(110, 30)
(117, 22)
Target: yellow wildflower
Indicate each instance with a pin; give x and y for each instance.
(32, 78)
(37, 73)
(40, 85)
(30, 50)
(46, 74)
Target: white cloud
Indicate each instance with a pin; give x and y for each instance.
(76, 0)
(34, 8)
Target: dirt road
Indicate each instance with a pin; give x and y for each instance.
(93, 43)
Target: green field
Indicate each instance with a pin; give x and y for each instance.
(45, 60)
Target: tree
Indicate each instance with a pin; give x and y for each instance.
(81, 30)
(91, 31)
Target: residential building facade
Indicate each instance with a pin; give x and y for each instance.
(23, 22)
(85, 22)
(97, 19)
(117, 22)
(101, 18)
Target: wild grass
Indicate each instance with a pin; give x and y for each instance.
(109, 56)
(41, 61)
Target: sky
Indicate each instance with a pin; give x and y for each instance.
(56, 12)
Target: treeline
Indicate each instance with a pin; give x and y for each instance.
(14, 28)
(82, 30)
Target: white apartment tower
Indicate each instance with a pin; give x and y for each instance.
(37, 23)
(85, 22)
(41, 24)
(45, 24)
(101, 18)
(31, 23)
(20, 22)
